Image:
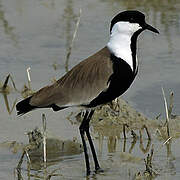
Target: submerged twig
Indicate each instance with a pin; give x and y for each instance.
(18, 168)
(27, 155)
(147, 131)
(73, 38)
(21, 160)
(149, 172)
(147, 147)
(133, 143)
(158, 116)
(53, 174)
(134, 135)
(124, 130)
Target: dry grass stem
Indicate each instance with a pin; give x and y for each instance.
(167, 141)
(170, 104)
(4, 88)
(29, 77)
(13, 83)
(167, 115)
(158, 116)
(164, 143)
(73, 38)
(27, 155)
(5, 83)
(44, 137)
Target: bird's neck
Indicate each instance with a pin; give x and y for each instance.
(123, 46)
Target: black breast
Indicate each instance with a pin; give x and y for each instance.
(119, 82)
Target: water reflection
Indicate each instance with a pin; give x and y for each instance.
(146, 148)
(56, 150)
(170, 158)
(8, 29)
(113, 144)
(69, 18)
(110, 135)
(9, 109)
(5, 90)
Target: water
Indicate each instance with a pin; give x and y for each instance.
(37, 33)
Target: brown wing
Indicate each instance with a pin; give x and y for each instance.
(80, 85)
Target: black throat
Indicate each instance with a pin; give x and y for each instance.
(133, 49)
(121, 67)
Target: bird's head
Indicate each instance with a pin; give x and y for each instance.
(129, 22)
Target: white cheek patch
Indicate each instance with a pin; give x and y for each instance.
(120, 40)
(136, 27)
(125, 28)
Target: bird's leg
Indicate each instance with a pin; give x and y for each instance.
(84, 127)
(97, 167)
(82, 132)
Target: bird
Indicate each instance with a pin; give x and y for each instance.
(97, 80)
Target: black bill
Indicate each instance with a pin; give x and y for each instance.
(149, 27)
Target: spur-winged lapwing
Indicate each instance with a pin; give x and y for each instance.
(96, 80)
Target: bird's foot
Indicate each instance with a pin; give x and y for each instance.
(98, 170)
(92, 173)
(88, 173)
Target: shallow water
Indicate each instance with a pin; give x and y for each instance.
(37, 33)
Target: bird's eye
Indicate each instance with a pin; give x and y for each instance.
(131, 19)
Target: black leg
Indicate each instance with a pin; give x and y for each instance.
(97, 167)
(84, 127)
(82, 132)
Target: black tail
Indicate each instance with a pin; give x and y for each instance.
(23, 106)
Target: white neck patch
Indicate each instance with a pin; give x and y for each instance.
(120, 40)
